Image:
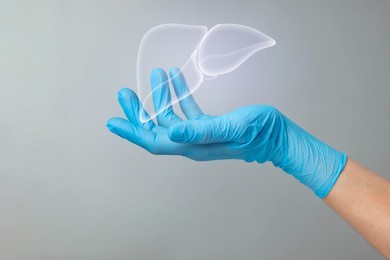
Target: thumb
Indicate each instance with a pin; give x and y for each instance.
(204, 131)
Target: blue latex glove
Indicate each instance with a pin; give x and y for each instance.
(253, 133)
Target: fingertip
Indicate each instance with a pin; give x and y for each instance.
(113, 122)
(133, 133)
(120, 127)
(126, 93)
(157, 72)
(122, 92)
(109, 123)
(157, 77)
(129, 102)
(173, 72)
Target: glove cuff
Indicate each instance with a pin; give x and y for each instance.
(328, 184)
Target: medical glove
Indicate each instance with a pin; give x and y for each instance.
(253, 133)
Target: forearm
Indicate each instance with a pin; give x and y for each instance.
(362, 198)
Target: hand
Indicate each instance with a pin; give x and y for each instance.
(254, 133)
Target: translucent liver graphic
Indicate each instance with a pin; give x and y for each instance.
(200, 54)
(227, 46)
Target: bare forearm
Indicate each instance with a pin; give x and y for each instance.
(362, 198)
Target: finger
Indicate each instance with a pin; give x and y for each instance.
(187, 102)
(133, 133)
(213, 130)
(133, 108)
(162, 98)
(156, 143)
(162, 145)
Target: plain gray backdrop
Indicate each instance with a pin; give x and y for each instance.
(69, 189)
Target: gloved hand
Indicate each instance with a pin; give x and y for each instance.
(253, 133)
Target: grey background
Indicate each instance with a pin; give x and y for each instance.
(71, 190)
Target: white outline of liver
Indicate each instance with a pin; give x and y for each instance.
(197, 64)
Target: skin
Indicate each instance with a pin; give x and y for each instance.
(362, 198)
